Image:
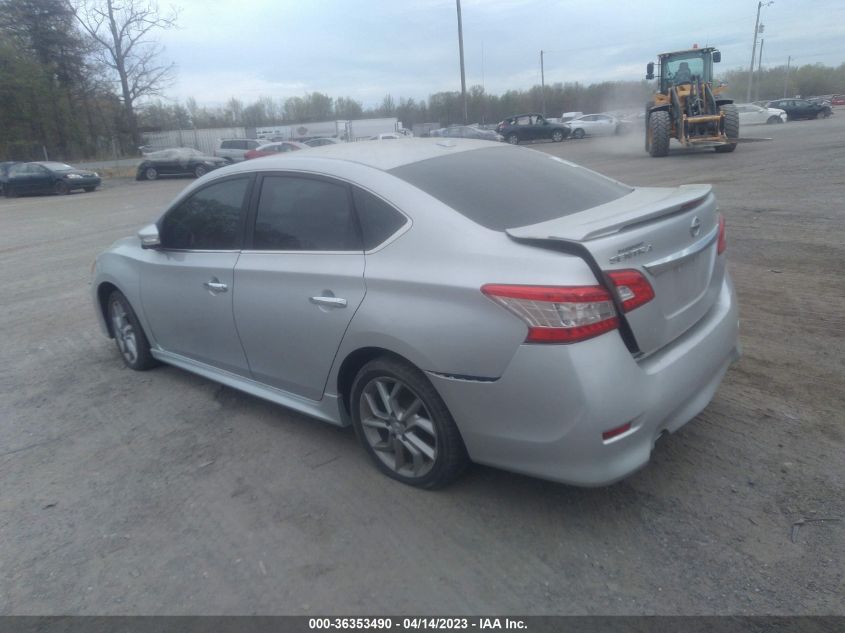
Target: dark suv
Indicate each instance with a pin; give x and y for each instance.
(801, 109)
(531, 127)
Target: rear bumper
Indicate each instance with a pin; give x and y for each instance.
(545, 416)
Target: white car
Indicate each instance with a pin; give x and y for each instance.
(750, 114)
(593, 125)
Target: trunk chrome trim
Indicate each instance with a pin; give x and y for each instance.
(676, 259)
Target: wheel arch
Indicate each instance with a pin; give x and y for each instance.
(104, 291)
(351, 365)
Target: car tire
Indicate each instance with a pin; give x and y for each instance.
(731, 129)
(128, 334)
(150, 173)
(513, 139)
(658, 133)
(773, 120)
(200, 171)
(557, 136)
(61, 188)
(88, 189)
(426, 450)
(578, 133)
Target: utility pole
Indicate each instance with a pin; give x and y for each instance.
(461, 47)
(543, 83)
(759, 70)
(786, 79)
(760, 5)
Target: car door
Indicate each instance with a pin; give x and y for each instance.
(300, 280)
(41, 179)
(19, 179)
(166, 163)
(586, 123)
(538, 128)
(522, 127)
(604, 125)
(187, 285)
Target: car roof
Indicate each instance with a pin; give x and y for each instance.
(383, 156)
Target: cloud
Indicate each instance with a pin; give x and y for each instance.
(366, 49)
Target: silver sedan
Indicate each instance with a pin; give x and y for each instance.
(455, 301)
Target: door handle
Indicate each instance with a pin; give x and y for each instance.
(332, 302)
(214, 286)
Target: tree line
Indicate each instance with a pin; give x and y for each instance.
(73, 72)
(83, 78)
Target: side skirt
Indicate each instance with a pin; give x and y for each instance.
(327, 409)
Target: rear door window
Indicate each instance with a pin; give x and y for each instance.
(304, 214)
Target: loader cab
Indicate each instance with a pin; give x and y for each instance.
(684, 66)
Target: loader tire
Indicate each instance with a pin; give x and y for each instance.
(658, 133)
(731, 128)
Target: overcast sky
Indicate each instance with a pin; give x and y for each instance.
(409, 48)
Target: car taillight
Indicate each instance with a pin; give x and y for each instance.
(634, 289)
(722, 244)
(557, 314)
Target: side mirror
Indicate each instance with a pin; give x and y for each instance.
(649, 71)
(149, 237)
(717, 57)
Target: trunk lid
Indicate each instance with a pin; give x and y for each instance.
(667, 234)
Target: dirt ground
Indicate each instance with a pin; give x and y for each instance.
(164, 493)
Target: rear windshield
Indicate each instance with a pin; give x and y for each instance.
(503, 188)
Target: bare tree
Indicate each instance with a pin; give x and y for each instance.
(123, 31)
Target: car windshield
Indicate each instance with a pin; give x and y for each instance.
(500, 188)
(57, 166)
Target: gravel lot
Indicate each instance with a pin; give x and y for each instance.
(164, 493)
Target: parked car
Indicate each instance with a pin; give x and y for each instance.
(337, 282)
(48, 177)
(388, 136)
(822, 101)
(232, 150)
(270, 149)
(750, 114)
(801, 109)
(838, 100)
(468, 131)
(531, 127)
(319, 142)
(4, 172)
(593, 125)
(178, 161)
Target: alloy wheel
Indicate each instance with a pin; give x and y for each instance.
(124, 333)
(398, 427)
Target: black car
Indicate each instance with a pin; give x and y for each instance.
(180, 161)
(801, 109)
(4, 172)
(48, 177)
(531, 127)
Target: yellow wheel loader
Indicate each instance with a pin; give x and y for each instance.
(687, 107)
